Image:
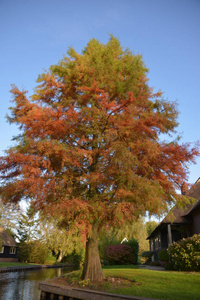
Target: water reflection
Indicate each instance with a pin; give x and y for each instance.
(24, 285)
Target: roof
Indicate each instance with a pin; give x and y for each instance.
(179, 215)
(7, 239)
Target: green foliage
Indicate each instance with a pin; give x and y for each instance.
(106, 238)
(135, 248)
(33, 252)
(64, 242)
(147, 255)
(135, 232)
(163, 255)
(50, 259)
(27, 229)
(76, 258)
(185, 254)
(73, 277)
(84, 283)
(150, 226)
(9, 215)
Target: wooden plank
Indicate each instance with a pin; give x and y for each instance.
(85, 294)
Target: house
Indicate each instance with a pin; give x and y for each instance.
(8, 247)
(184, 223)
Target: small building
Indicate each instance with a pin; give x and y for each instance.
(178, 224)
(8, 247)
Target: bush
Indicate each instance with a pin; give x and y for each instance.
(74, 258)
(163, 255)
(135, 248)
(105, 241)
(169, 266)
(50, 259)
(33, 252)
(120, 254)
(185, 254)
(148, 255)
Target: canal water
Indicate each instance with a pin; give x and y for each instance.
(24, 285)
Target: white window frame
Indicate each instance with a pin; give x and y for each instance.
(2, 249)
(12, 250)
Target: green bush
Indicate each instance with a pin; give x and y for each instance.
(33, 252)
(163, 255)
(74, 258)
(185, 254)
(148, 255)
(50, 259)
(135, 248)
(104, 242)
(169, 266)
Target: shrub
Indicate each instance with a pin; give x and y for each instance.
(185, 254)
(147, 255)
(133, 243)
(169, 266)
(163, 255)
(105, 241)
(120, 254)
(33, 252)
(74, 258)
(50, 259)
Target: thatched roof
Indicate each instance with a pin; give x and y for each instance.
(179, 215)
(7, 239)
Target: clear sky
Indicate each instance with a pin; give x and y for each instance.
(36, 34)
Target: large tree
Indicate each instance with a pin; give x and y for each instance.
(90, 149)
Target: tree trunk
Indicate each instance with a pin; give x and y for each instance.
(60, 257)
(92, 266)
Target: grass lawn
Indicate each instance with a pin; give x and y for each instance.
(141, 282)
(18, 264)
(156, 284)
(13, 264)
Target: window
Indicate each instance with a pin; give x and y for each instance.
(12, 250)
(2, 249)
(152, 245)
(158, 242)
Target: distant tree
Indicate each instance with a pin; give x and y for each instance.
(135, 229)
(9, 214)
(27, 226)
(90, 149)
(34, 251)
(61, 241)
(150, 226)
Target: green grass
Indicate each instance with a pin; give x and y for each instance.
(156, 284)
(18, 264)
(13, 264)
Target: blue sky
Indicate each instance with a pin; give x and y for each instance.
(36, 34)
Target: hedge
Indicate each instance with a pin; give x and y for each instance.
(185, 254)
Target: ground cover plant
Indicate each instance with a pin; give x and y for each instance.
(132, 280)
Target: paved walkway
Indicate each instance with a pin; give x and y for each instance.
(155, 268)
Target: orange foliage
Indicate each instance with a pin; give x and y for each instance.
(90, 147)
